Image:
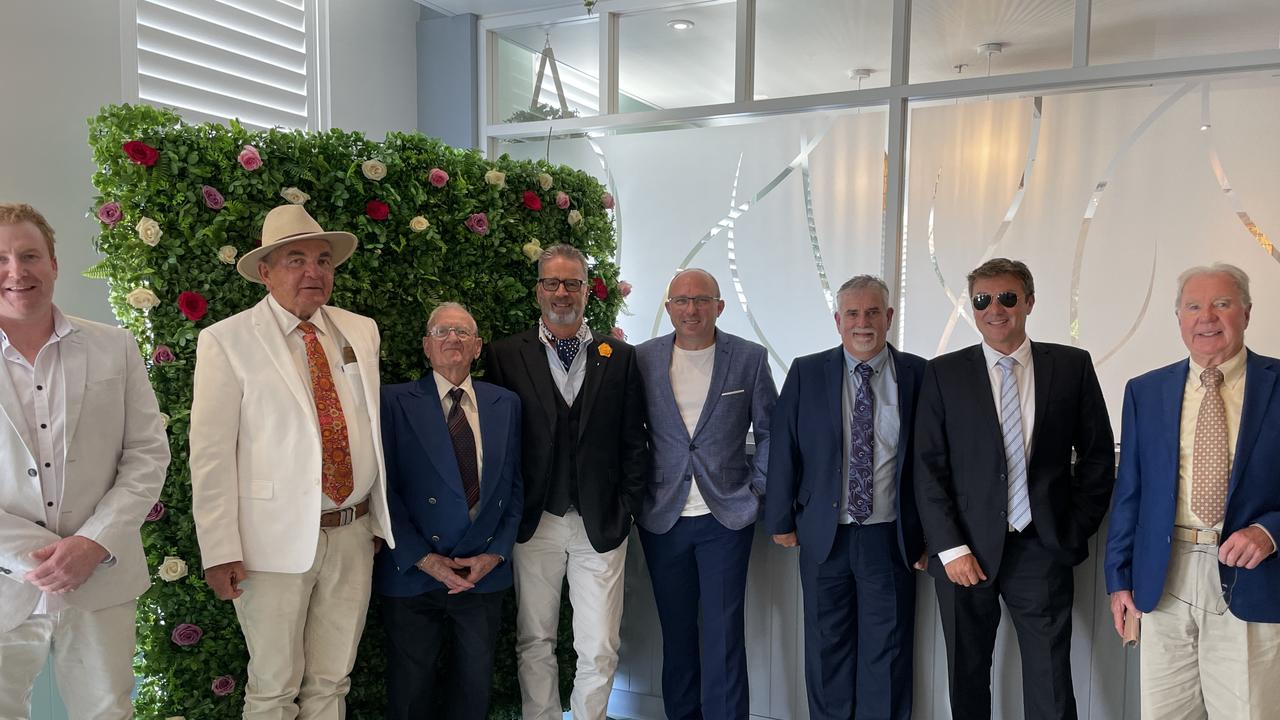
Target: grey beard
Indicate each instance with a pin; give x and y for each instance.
(565, 318)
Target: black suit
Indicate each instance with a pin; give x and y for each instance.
(612, 452)
(962, 493)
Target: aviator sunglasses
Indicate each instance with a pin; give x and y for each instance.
(1008, 298)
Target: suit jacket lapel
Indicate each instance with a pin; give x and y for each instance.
(833, 373)
(1173, 387)
(906, 401)
(666, 395)
(426, 416)
(719, 372)
(984, 401)
(591, 383)
(1259, 381)
(492, 439)
(74, 360)
(1042, 360)
(268, 333)
(534, 354)
(12, 406)
(366, 358)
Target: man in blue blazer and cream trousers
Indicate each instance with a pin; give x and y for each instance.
(704, 388)
(1191, 545)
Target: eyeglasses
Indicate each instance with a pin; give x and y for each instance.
(700, 302)
(441, 332)
(1008, 298)
(551, 284)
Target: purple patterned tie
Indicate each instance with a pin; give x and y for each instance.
(464, 448)
(862, 443)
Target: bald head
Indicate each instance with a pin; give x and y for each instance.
(696, 272)
(693, 302)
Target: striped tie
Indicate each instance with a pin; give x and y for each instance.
(1014, 448)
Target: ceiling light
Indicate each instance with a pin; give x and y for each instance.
(680, 25)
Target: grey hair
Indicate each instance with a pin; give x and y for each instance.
(1238, 276)
(431, 319)
(704, 273)
(862, 282)
(566, 251)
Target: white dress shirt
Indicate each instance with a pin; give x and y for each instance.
(887, 425)
(470, 410)
(690, 382)
(569, 382)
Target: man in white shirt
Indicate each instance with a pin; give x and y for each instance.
(85, 454)
(288, 492)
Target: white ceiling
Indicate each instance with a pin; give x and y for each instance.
(809, 46)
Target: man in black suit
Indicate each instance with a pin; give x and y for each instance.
(585, 461)
(1004, 509)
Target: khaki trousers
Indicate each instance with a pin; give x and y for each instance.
(302, 630)
(92, 662)
(1197, 659)
(558, 548)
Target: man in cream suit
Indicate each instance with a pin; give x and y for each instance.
(288, 489)
(84, 454)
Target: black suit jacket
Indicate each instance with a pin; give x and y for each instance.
(612, 452)
(960, 468)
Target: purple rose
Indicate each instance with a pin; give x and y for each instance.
(624, 288)
(607, 200)
(224, 685)
(156, 512)
(110, 213)
(186, 635)
(162, 355)
(212, 198)
(437, 177)
(478, 224)
(562, 201)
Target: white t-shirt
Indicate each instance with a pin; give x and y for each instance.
(690, 382)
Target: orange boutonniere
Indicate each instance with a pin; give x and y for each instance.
(605, 349)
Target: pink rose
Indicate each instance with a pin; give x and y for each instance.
(607, 200)
(162, 355)
(617, 333)
(223, 685)
(562, 201)
(249, 158)
(156, 512)
(437, 177)
(186, 635)
(110, 213)
(478, 224)
(212, 198)
(624, 288)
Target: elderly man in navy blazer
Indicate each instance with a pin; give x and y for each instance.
(704, 388)
(1196, 514)
(454, 490)
(840, 487)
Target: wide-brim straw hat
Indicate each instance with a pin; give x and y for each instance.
(291, 223)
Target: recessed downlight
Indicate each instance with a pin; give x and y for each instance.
(680, 25)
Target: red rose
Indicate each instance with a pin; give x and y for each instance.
(532, 201)
(193, 305)
(599, 289)
(141, 153)
(377, 210)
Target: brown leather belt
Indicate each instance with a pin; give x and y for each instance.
(1196, 536)
(344, 516)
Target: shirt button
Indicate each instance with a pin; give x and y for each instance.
(46, 464)
(39, 387)
(49, 504)
(43, 426)
(31, 472)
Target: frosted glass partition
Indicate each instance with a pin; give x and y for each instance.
(1124, 191)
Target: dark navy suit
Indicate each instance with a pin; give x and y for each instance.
(429, 510)
(859, 594)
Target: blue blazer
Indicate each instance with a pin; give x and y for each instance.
(1142, 512)
(424, 488)
(742, 394)
(806, 465)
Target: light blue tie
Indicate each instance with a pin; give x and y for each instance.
(1014, 448)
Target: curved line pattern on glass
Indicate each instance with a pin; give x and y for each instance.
(613, 190)
(814, 246)
(737, 279)
(1236, 203)
(1092, 208)
(1015, 203)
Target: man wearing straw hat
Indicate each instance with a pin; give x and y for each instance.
(288, 491)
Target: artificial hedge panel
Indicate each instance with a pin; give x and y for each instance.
(206, 189)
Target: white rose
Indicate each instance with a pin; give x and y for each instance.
(545, 181)
(295, 196)
(373, 169)
(495, 177)
(149, 231)
(165, 419)
(418, 224)
(575, 217)
(531, 250)
(173, 568)
(227, 254)
(142, 299)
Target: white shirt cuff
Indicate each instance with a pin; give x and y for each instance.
(1268, 534)
(947, 556)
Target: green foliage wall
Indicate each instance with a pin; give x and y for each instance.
(207, 196)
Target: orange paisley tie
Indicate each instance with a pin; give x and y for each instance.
(335, 449)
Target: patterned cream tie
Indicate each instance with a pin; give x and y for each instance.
(1210, 464)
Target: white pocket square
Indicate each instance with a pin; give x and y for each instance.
(732, 392)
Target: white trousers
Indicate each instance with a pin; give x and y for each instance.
(1198, 660)
(558, 548)
(302, 630)
(92, 662)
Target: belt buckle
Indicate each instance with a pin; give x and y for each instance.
(1205, 537)
(346, 515)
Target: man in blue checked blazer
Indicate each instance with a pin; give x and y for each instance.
(703, 388)
(454, 490)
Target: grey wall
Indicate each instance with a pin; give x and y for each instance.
(448, 86)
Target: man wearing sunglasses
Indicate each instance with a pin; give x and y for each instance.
(1191, 544)
(585, 461)
(1005, 510)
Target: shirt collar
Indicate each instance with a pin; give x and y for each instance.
(549, 339)
(443, 387)
(1232, 370)
(1022, 354)
(62, 327)
(289, 322)
(877, 363)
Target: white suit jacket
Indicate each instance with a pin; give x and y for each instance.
(255, 442)
(116, 456)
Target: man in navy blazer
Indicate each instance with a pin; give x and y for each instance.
(703, 389)
(1197, 509)
(840, 487)
(452, 448)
